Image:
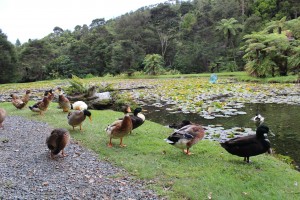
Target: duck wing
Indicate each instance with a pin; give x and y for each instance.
(51, 141)
(18, 103)
(179, 135)
(75, 117)
(115, 125)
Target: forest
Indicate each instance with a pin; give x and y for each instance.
(261, 37)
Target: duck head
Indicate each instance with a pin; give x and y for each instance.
(88, 113)
(262, 130)
(138, 110)
(126, 109)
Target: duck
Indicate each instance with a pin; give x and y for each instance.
(77, 117)
(182, 124)
(26, 97)
(41, 106)
(258, 119)
(137, 118)
(51, 95)
(57, 141)
(17, 102)
(250, 145)
(120, 128)
(79, 105)
(63, 101)
(2, 116)
(185, 137)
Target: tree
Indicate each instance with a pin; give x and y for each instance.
(18, 43)
(153, 64)
(125, 56)
(58, 31)
(8, 60)
(97, 22)
(276, 25)
(266, 54)
(33, 58)
(229, 27)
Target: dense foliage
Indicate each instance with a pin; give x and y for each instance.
(190, 36)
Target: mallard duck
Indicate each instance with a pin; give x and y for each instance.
(186, 137)
(41, 106)
(77, 117)
(63, 101)
(51, 95)
(17, 102)
(57, 141)
(258, 119)
(26, 97)
(137, 118)
(120, 128)
(182, 124)
(79, 105)
(2, 116)
(250, 145)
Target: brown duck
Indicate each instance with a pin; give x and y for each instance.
(51, 95)
(77, 117)
(41, 106)
(63, 101)
(185, 137)
(57, 141)
(26, 97)
(2, 117)
(120, 128)
(17, 102)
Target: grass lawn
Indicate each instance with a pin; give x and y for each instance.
(210, 173)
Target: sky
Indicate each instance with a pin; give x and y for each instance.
(35, 19)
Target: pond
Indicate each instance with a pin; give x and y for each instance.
(282, 119)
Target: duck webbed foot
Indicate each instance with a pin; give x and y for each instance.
(121, 143)
(110, 144)
(187, 152)
(63, 153)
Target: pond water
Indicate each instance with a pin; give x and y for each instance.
(282, 119)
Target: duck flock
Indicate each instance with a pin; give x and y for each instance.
(185, 135)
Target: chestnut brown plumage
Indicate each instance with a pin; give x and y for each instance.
(26, 97)
(57, 141)
(63, 101)
(17, 102)
(41, 106)
(186, 137)
(120, 128)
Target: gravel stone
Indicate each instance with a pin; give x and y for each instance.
(27, 172)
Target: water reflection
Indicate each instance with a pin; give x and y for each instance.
(282, 119)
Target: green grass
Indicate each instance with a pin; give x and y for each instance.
(210, 171)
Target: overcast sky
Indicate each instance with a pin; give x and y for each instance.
(35, 19)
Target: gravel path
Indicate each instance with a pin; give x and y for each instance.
(27, 172)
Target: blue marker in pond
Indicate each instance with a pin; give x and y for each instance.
(213, 78)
